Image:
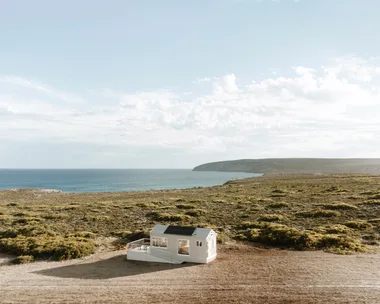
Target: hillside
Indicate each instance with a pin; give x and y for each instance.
(296, 165)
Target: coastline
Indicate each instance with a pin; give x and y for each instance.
(97, 181)
(261, 224)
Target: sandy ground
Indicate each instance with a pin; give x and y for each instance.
(241, 274)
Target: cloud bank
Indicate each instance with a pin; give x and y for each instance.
(328, 111)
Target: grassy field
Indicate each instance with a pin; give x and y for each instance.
(337, 213)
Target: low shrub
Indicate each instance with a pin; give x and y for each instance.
(145, 205)
(271, 218)
(318, 213)
(334, 229)
(98, 218)
(339, 244)
(28, 230)
(185, 206)
(264, 200)
(83, 234)
(284, 236)
(375, 220)
(28, 220)
(278, 195)
(222, 238)
(23, 259)
(56, 248)
(281, 235)
(56, 216)
(373, 203)
(167, 207)
(196, 212)
(250, 225)
(74, 248)
(219, 201)
(132, 236)
(361, 225)
(335, 189)
(278, 191)
(339, 206)
(166, 217)
(279, 205)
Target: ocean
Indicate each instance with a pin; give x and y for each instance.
(113, 180)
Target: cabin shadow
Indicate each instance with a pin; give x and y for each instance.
(110, 268)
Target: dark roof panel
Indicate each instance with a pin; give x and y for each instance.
(180, 230)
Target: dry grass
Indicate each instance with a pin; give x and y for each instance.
(335, 213)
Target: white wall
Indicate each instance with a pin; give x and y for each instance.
(198, 254)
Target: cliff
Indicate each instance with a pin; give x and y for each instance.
(296, 165)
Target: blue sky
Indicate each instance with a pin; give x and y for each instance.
(178, 83)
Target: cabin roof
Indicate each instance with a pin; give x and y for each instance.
(181, 230)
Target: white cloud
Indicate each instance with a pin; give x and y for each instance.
(330, 111)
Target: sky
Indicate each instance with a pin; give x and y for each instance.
(174, 84)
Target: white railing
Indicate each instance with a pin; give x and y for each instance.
(141, 244)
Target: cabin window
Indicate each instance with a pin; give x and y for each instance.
(199, 243)
(183, 247)
(160, 242)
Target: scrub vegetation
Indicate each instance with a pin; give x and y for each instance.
(336, 213)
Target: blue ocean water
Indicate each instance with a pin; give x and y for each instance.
(113, 180)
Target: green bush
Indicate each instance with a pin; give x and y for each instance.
(284, 236)
(74, 248)
(23, 259)
(339, 244)
(56, 248)
(27, 230)
(334, 229)
(281, 235)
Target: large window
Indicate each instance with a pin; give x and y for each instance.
(183, 247)
(160, 242)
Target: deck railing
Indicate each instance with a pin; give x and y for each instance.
(141, 244)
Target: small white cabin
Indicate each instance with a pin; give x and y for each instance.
(175, 245)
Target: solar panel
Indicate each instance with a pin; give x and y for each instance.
(180, 230)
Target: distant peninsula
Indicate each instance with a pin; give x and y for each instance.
(296, 165)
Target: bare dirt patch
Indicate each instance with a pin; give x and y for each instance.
(241, 274)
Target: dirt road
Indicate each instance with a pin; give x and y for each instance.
(241, 274)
